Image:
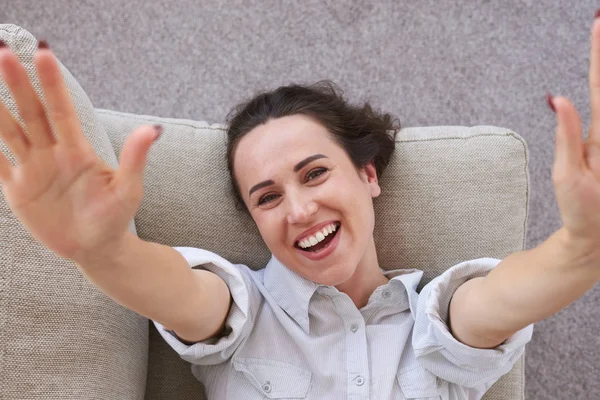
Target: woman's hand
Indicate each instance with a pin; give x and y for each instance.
(63, 193)
(576, 170)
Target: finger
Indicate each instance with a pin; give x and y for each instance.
(569, 161)
(594, 81)
(134, 154)
(5, 169)
(28, 103)
(61, 109)
(12, 134)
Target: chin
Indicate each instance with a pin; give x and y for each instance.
(333, 276)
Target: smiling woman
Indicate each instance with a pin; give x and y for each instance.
(301, 159)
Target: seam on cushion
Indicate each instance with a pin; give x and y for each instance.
(11, 32)
(133, 116)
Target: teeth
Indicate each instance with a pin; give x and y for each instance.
(318, 237)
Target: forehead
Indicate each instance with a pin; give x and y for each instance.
(280, 143)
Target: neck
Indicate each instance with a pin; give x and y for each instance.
(366, 278)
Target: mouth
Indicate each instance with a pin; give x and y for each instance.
(320, 241)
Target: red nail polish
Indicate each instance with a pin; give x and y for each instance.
(597, 13)
(2, 44)
(159, 130)
(550, 101)
(42, 44)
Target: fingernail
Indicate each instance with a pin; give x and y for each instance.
(597, 13)
(42, 44)
(550, 101)
(2, 44)
(159, 129)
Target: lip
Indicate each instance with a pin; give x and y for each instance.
(314, 229)
(326, 251)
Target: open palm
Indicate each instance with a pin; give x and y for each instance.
(576, 170)
(62, 192)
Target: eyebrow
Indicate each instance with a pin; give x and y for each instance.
(297, 168)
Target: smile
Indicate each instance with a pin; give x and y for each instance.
(327, 239)
(320, 238)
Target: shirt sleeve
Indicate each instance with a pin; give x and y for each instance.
(438, 351)
(240, 318)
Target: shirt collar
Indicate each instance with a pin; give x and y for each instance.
(293, 293)
(290, 291)
(410, 279)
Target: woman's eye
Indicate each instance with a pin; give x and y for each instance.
(267, 199)
(315, 173)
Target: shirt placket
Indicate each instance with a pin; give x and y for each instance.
(357, 357)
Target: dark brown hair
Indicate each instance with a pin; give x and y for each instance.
(365, 134)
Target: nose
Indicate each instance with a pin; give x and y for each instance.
(300, 210)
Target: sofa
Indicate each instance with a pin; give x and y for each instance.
(450, 193)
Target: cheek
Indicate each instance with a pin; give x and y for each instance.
(269, 229)
(353, 194)
(359, 208)
(343, 188)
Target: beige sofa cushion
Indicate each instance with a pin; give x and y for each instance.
(60, 337)
(449, 194)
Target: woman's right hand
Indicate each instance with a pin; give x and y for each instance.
(63, 193)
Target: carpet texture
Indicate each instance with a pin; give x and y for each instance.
(428, 62)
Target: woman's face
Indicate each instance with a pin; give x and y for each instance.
(302, 189)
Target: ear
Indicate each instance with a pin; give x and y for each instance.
(369, 175)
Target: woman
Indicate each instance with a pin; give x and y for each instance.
(322, 320)
(330, 157)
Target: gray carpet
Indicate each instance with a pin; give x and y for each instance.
(429, 62)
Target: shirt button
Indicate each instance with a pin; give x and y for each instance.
(354, 327)
(359, 381)
(386, 293)
(267, 387)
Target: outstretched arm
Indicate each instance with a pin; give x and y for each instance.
(526, 287)
(531, 285)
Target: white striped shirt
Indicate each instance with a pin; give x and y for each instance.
(287, 337)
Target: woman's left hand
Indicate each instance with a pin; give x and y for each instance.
(576, 169)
